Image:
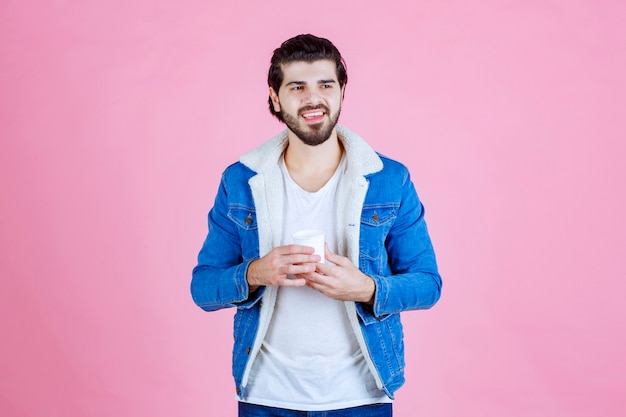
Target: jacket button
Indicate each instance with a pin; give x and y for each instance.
(248, 219)
(247, 351)
(375, 217)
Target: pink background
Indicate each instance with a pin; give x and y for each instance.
(117, 118)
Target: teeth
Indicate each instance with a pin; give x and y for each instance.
(314, 114)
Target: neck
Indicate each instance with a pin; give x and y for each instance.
(312, 166)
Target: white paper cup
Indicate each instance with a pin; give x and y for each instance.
(314, 238)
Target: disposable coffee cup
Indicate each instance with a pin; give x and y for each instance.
(314, 238)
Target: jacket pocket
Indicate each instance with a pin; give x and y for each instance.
(395, 353)
(245, 327)
(376, 221)
(245, 219)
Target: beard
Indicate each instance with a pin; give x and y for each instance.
(315, 134)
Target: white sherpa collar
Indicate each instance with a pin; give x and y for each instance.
(362, 159)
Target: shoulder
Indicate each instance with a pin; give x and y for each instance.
(236, 175)
(392, 169)
(238, 170)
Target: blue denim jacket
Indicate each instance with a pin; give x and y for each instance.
(381, 229)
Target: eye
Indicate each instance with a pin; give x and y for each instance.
(324, 86)
(297, 88)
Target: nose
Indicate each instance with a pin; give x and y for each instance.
(312, 98)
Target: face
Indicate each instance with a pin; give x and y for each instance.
(309, 99)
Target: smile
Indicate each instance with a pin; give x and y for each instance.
(314, 116)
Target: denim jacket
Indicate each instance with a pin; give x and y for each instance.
(381, 229)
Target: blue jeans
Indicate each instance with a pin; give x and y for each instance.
(374, 410)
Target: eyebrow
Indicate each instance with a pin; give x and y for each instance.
(304, 83)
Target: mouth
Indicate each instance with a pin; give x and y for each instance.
(313, 116)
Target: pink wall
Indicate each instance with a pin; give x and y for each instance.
(117, 118)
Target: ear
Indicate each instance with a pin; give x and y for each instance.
(275, 101)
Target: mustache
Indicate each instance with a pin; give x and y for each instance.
(309, 108)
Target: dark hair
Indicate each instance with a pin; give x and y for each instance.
(307, 48)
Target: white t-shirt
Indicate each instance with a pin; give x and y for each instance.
(310, 359)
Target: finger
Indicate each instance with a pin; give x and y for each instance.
(319, 284)
(313, 285)
(295, 249)
(305, 277)
(300, 268)
(324, 269)
(301, 259)
(292, 282)
(314, 277)
(333, 257)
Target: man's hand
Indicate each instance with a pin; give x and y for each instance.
(342, 281)
(273, 268)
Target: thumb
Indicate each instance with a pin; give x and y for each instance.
(332, 257)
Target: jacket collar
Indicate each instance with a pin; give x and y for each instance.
(361, 158)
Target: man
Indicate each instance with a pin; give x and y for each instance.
(312, 336)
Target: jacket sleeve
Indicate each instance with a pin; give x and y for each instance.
(219, 278)
(413, 281)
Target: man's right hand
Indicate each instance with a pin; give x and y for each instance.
(273, 268)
